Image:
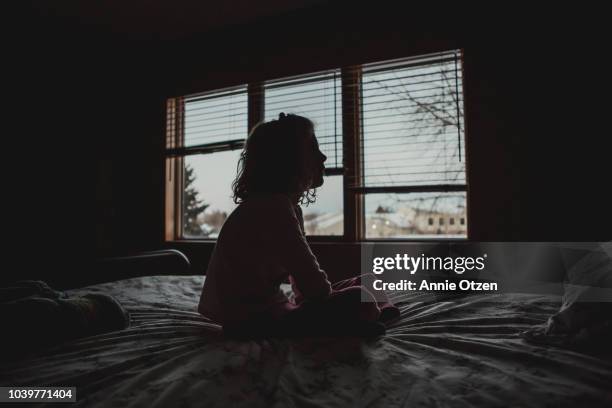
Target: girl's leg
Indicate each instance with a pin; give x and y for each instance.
(342, 313)
(388, 310)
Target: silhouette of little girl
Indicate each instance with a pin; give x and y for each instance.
(263, 243)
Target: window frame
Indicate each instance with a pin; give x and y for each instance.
(354, 192)
(175, 153)
(431, 188)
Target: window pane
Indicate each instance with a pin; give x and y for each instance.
(319, 98)
(216, 117)
(415, 215)
(207, 198)
(413, 122)
(326, 216)
(212, 176)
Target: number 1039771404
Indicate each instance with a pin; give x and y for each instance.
(29, 394)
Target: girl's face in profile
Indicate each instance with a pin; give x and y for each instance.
(313, 160)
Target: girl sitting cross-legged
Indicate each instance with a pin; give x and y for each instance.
(263, 244)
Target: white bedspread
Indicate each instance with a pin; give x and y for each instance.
(465, 352)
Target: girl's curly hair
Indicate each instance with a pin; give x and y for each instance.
(272, 161)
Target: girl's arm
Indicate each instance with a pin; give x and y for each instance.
(296, 256)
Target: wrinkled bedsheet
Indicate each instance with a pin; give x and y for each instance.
(458, 352)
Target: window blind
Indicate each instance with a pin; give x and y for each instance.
(215, 117)
(412, 122)
(317, 97)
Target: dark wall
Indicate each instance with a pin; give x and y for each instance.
(90, 115)
(84, 152)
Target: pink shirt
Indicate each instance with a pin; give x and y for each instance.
(260, 245)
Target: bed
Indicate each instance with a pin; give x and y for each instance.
(457, 352)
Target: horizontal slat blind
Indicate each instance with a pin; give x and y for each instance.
(412, 122)
(215, 117)
(317, 97)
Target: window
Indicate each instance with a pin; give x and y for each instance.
(393, 133)
(413, 144)
(205, 135)
(319, 98)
